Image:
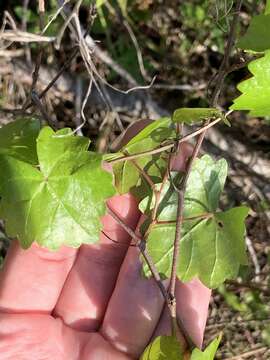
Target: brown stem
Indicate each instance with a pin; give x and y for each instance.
(141, 245)
(176, 246)
(225, 64)
(182, 187)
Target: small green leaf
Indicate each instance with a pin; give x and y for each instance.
(60, 201)
(257, 36)
(194, 115)
(152, 135)
(127, 176)
(208, 353)
(255, 90)
(163, 348)
(18, 139)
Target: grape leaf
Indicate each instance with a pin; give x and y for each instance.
(255, 90)
(163, 348)
(18, 139)
(212, 246)
(257, 36)
(60, 201)
(204, 187)
(194, 115)
(126, 174)
(208, 353)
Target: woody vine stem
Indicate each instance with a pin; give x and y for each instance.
(169, 295)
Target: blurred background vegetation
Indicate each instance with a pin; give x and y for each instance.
(180, 44)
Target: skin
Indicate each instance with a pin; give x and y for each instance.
(90, 303)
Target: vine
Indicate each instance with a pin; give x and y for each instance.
(184, 234)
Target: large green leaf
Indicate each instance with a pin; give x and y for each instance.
(255, 90)
(257, 36)
(212, 244)
(194, 115)
(163, 348)
(18, 139)
(60, 201)
(212, 250)
(208, 353)
(127, 176)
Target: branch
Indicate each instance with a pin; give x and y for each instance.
(140, 242)
(182, 186)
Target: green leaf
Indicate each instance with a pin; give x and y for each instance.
(18, 139)
(208, 353)
(123, 6)
(194, 115)
(60, 201)
(127, 176)
(215, 237)
(255, 90)
(267, 7)
(212, 250)
(232, 300)
(204, 187)
(257, 36)
(163, 348)
(99, 3)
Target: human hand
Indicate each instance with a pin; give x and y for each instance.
(89, 303)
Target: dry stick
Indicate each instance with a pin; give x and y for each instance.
(63, 68)
(41, 10)
(249, 285)
(32, 94)
(182, 187)
(244, 355)
(37, 102)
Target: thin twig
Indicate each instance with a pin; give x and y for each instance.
(246, 354)
(225, 65)
(254, 258)
(140, 242)
(166, 147)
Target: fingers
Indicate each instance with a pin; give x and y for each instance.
(134, 308)
(86, 293)
(35, 337)
(192, 310)
(136, 304)
(32, 279)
